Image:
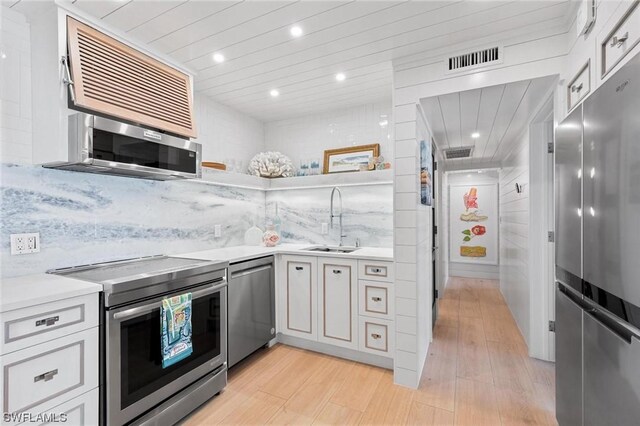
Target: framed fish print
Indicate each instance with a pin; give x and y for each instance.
(473, 223)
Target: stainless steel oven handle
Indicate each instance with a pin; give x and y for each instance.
(139, 310)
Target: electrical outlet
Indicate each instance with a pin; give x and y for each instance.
(217, 231)
(325, 228)
(25, 243)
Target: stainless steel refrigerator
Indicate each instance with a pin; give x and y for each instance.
(597, 160)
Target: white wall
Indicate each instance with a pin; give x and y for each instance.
(226, 134)
(514, 233)
(456, 269)
(15, 88)
(306, 138)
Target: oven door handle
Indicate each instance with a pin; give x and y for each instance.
(139, 310)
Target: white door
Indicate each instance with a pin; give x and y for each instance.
(338, 302)
(300, 292)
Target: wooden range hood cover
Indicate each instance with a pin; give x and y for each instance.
(115, 79)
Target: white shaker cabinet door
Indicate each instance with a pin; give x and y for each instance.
(300, 293)
(338, 302)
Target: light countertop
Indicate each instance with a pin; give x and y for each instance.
(240, 253)
(32, 290)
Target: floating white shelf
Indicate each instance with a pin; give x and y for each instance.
(219, 177)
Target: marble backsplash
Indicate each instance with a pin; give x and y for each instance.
(86, 218)
(367, 215)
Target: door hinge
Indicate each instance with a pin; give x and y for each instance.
(435, 229)
(436, 295)
(550, 148)
(551, 236)
(552, 326)
(435, 166)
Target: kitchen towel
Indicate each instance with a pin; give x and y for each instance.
(175, 317)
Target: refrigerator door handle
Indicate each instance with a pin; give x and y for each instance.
(613, 324)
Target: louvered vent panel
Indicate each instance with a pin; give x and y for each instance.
(461, 152)
(115, 79)
(474, 59)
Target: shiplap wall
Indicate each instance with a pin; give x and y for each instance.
(514, 234)
(471, 270)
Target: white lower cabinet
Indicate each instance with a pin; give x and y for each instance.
(38, 378)
(300, 282)
(338, 302)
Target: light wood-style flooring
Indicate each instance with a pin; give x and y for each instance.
(477, 372)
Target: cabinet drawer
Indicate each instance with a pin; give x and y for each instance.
(37, 324)
(82, 410)
(376, 336)
(579, 86)
(376, 299)
(621, 39)
(43, 376)
(376, 271)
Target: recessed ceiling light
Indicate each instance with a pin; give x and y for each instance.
(475, 135)
(296, 31)
(218, 57)
(274, 93)
(340, 76)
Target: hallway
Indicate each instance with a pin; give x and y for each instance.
(478, 365)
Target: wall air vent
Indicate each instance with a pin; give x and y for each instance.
(457, 153)
(470, 60)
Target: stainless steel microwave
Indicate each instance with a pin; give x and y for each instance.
(102, 145)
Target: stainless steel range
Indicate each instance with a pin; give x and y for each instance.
(136, 387)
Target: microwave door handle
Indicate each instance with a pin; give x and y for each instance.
(139, 310)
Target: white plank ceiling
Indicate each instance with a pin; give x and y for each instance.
(499, 114)
(357, 38)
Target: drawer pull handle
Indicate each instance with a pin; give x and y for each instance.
(619, 41)
(45, 376)
(337, 271)
(299, 268)
(48, 321)
(376, 299)
(376, 336)
(577, 88)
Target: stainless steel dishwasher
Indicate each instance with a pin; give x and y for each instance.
(251, 307)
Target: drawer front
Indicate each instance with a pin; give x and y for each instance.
(579, 86)
(43, 376)
(38, 324)
(376, 299)
(376, 336)
(82, 410)
(375, 271)
(624, 36)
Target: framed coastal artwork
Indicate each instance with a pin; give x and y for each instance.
(349, 159)
(426, 173)
(473, 223)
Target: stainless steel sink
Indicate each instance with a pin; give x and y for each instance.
(328, 249)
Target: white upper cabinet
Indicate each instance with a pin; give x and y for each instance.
(79, 64)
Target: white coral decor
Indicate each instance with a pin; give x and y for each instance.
(271, 164)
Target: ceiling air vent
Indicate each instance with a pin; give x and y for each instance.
(460, 152)
(470, 60)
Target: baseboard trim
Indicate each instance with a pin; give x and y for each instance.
(365, 358)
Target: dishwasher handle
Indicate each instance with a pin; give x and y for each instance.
(248, 271)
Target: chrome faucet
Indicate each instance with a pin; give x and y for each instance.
(332, 215)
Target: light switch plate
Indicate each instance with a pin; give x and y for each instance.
(217, 231)
(25, 243)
